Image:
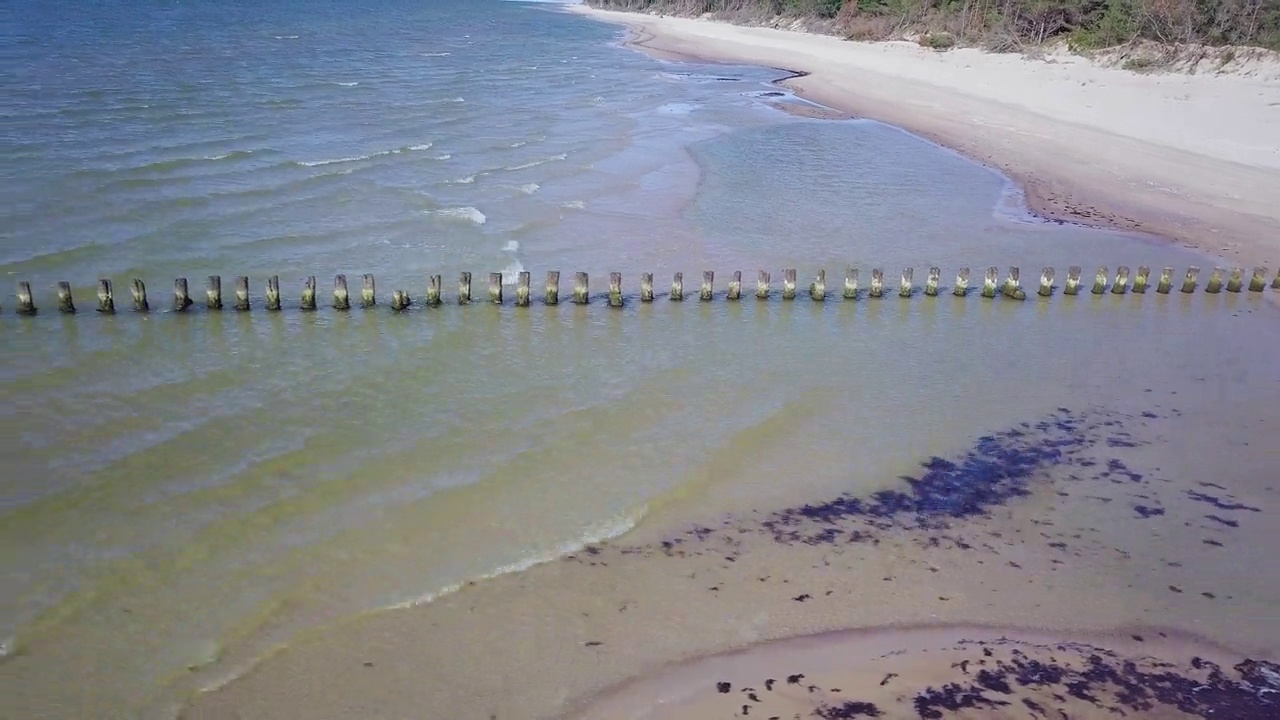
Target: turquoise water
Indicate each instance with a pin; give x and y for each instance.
(184, 493)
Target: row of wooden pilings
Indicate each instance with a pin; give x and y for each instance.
(1232, 280)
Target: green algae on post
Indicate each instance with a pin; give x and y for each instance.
(106, 297)
(1046, 282)
(1140, 280)
(708, 281)
(1189, 283)
(818, 288)
(1121, 285)
(581, 288)
(552, 296)
(646, 287)
(1073, 280)
(464, 288)
(1215, 281)
(735, 286)
(140, 303)
(1275, 284)
(1259, 279)
(1100, 281)
(1165, 286)
(26, 304)
(435, 285)
(931, 284)
(181, 299)
(851, 284)
(990, 281)
(341, 300)
(242, 293)
(400, 300)
(877, 283)
(1236, 281)
(789, 284)
(1012, 285)
(906, 286)
(677, 287)
(762, 285)
(309, 293)
(615, 289)
(65, 303)
(368, 291)
(273, 293)
(495, 288)
(522, 289)
(213, 293)
(962, 282)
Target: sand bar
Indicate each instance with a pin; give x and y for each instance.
(1195, 158)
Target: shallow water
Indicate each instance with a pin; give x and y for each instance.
(189, 491)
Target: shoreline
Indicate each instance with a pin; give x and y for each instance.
(1066, 171)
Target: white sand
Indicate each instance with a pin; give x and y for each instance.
(1195, 158)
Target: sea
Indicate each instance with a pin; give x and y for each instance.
(183, 494)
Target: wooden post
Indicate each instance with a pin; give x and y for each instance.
(851, 284)
(1121, 285)
(646, 287)
(989, 282)
(464, 288)
(615, 289)
(1140, 280)
(106, 297)
(213, 293)
(962, 283)
(1258, 282)
(1215, 281)
(140, 296)
(65, 303)
(273, 293)
(581, 292)
(553, 287)
(931, 284)
(735, 286)
(877, 283)
(341, 301)
(368, 291)
(435, 290)
(677, 287)
(495, 288)
(1189, 283)
(789, 284)
(1073, 280)
(905, 287)
(1236, 281)
(1166, 281)
(1275, 284)
(400, 300)
(1100, 281)
(708, 281)
(26, 303)
(818, 288)
(1013, 286)
(309, 293)
(1046, 282)
(242, 293)
(522, 289)
(762, 286)
(181, 300)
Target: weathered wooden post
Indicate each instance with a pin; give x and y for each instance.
(495, 288)
(522, 289)
(65, 303)
(1073, 280)
(581, 294)
(1140, 280)
(1121, 285)
(762, 286)
(213, 293)
(242, 293)
(26, 303)
(464, 288)
(368, 291)
(708, 280)
(140, 303)
(646, 287)
(26, 300)
(1166, 281)
(181, 300)
(400, 300)
(1215, 281)
(552, 296)
(851, 283)
(1275, 284)
(877, 283)
(677, 287)
(789, 284)
(309, 293)
(1236, 281)
(1258, 282)
(106, 297)
(818, 288)
(1100, 281)
(735, 286)
(273, 293)
(962, 282)
(1046, 282)
(906, 286)
(1013, 285)
(989, 282)
(341, 301)
(931, 284)
(615, 289)
(435, 290)
(1189, 283)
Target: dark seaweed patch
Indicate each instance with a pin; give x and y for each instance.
(1219, 503)
(1146, 512)
(851, 709)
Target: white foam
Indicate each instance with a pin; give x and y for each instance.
(286, 37)
(229, 155)
(511, 246)
(358, 158)
(574, 205)
(511, 272)
(468, 214)
(419, 148)
(464, 181)
(445, 156)
(521, 143)
(347, 84)
(435, 54)
(529, 188)
(536, 163)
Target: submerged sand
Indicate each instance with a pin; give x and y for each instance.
(1195, 158)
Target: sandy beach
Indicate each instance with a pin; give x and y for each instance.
(1194, 158)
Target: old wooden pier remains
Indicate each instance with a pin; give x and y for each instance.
(1232, 280)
